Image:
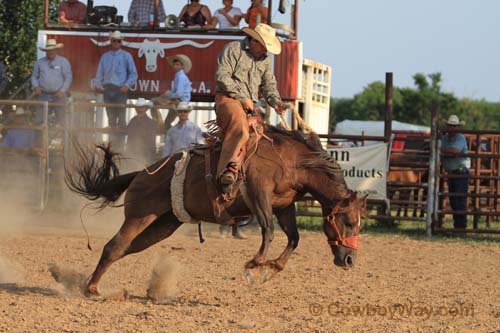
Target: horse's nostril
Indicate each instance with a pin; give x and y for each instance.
(348, 260)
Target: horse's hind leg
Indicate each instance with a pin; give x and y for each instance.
(162, 228)
(116, 248)
(288, 222)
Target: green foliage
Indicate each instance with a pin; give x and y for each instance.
(19, 23)
(413, 105)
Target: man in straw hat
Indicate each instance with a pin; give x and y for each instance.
(51, 79)
(116, 74)
(457, 167)
(178, 98)
(243, 68)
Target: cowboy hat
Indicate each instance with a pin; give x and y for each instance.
(142, 102)
(265, 35)
(454, 121)
(184, 106)
(52, 44)
(116, 35)
(20, 112)
(184, 59)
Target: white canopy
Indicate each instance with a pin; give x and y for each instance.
(375, 128)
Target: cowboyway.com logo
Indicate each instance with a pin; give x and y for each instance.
(424, 311)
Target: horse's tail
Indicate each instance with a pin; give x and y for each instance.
(96, 175)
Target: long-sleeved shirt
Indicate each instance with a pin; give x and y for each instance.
(19, 138)
(3, 78)
(240, 74)
(182, 136)
(116, 68)
(141, 140)
(182, 87)
(52, 75)
(75, 12)
(141, 10)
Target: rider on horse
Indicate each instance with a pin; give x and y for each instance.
(243, 68)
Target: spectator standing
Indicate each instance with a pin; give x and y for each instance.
(140, 11)
(257, 13)
(17, 137)
(51, 79)
(228, 17)
(195, 14)
(116, 74)
(3, 78)
(178, 98)
(142, 131)
(72, 12)
(457, 167)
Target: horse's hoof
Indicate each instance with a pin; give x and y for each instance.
(252, 275)
(264, 276)
(91, 291)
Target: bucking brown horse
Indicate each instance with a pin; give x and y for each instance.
(281, 170)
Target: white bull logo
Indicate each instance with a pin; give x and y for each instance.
(151, 49)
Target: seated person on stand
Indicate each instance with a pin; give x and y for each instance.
(142, 131)
(180, 95)
(72, 12)
(257, 13)
(141, 10)
(195, 14)
(228, 17)
(16, 137)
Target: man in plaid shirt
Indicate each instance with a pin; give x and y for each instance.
(141, 10)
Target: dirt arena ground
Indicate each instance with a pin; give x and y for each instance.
(398, 285)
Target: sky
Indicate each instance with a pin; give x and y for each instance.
(363, 39)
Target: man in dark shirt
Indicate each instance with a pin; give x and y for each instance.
(142, 131)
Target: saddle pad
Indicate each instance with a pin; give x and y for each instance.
(177, 189)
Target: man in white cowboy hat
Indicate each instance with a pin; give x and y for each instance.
(19, 137)
(457, 167)
(51, 79)
(243, 68)
(184, 134)
(116, 74)
(178, 98)
(142, 131)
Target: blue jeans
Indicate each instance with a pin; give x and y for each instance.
(59, 110)
(459, 185)
(116, 116)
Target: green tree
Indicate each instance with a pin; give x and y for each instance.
(19, 22)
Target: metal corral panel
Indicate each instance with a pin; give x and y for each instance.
(287, 68)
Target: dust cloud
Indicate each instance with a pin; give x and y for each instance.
(164, 279)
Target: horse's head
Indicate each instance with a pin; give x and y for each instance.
(342, 226)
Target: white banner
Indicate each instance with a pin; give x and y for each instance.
(364, 168)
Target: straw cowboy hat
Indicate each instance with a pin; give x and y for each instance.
(265, 35)
(116, 35)
(184, 59)
(52, 44)
(143, 102)
(454, 121)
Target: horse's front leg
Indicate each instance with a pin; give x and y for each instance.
(263, 211)
(288, 222)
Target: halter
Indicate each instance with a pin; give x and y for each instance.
(351, 241)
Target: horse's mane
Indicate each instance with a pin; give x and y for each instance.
(318, 158)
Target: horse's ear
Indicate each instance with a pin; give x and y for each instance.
(352, 196)
(364, 201)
